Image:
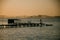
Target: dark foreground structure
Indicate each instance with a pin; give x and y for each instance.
(12, 24)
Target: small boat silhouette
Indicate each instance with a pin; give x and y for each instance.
(49, 24)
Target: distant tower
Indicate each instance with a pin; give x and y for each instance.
(41, 23)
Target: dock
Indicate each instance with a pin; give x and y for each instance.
(12, 24)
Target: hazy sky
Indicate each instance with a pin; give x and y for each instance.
(29, 7)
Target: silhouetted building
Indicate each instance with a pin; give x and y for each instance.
(10, 21)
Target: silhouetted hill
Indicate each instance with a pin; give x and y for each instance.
(56, 16)
(34, 16)
(3, 16)
(40, 16)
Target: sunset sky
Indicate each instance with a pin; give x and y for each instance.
(29, 7)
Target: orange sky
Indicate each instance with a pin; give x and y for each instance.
(29, 7)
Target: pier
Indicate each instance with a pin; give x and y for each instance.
(21, 25)
(13, 23)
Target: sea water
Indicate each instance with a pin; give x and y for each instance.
(33, 33)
